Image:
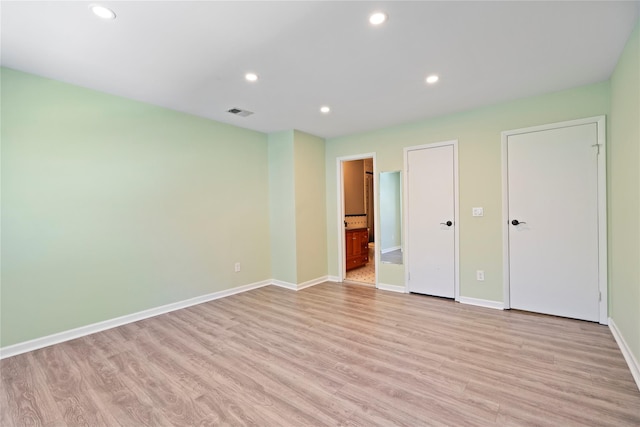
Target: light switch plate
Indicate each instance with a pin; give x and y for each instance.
(477, 211)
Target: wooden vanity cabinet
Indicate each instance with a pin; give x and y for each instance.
(357, 243)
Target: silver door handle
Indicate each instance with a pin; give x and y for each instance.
(448, 223)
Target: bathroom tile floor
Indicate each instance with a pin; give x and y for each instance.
(366, 273)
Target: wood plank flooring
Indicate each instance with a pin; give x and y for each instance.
(330, 355)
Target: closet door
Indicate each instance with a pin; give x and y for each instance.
(431, 228)
(553, 221)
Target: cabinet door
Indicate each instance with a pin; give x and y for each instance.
(356, 244)
(351, 243)
(358, 240)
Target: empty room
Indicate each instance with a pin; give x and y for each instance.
(320, 213)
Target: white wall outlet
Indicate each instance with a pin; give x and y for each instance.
(237, 267)
(480, 275)
(477, 211)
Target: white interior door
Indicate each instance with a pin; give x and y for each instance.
(431, 224)
(553, 221)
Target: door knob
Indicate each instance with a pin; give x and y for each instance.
(448, 223)
(516, 222)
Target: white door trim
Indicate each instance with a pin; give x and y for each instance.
(340, 230)
(600, 123)
(456, 219)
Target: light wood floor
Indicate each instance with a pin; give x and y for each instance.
(327, 355)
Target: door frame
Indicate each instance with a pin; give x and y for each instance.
(456, 214)
(600, 122)
(342, 274)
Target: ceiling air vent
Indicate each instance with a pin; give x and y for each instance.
(239, 112)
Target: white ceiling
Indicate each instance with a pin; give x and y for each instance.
(192, 56)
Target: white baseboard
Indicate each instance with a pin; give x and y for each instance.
(634, 367)
(333, 279)
(35, 344)
(299, 286)
(482, 303)
(312, 282)
(391, 249)
(392, 288)
(283, 284)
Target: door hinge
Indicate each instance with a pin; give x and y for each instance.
(600, 296)
(598, 147)
(409, 276)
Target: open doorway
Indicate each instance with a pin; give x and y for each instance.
(357, 214)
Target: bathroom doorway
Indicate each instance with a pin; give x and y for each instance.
(357, 214)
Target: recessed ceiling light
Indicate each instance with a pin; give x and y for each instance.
(252, 77)
(325, 110)
(377, 18)
(432, 79)
(102, 12)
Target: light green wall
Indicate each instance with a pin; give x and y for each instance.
(478, 133)
(311, 238)
(624, 194)
(391, 274)
(111, 206)
(297, 207)
(282, 209)
(390, 212)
